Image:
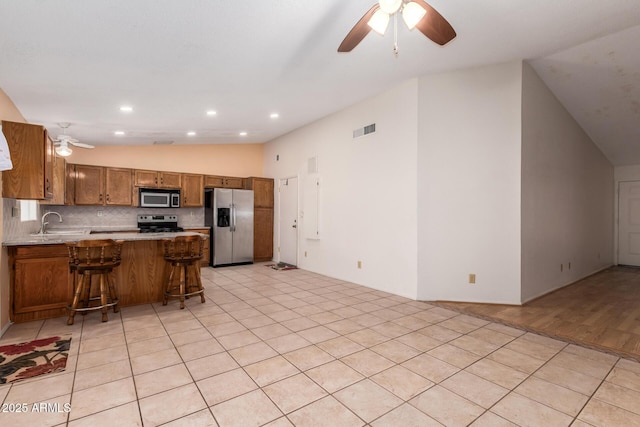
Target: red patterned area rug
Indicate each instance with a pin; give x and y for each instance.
(33, 358)
(282, 266)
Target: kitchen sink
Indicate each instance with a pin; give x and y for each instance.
(63, 232)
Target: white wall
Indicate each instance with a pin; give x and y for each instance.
(368, 193)
(469, 184)
(621, 173)
(567, 195)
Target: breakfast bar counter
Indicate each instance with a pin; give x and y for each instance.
(42, 286)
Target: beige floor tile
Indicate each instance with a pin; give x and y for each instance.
(145, 334)
(294, 392)
(412, 323)
(40, 389)
(440, 333)
(344, 326)
(149, 346)
(367, 362)
(526, 412)
(36, 418)
(124, 415)
(567, 378)
(476, 389)
(446, 407)
(211, 365)
(318, 334)
(257, 321)
(171, 405)
(368, 400)
(624, 378)
(285, 315)
(201, 418)
(196, 350)
(516, 360)
(161, 380)
(153, 361)
(597, 369)
(454, 355)
(489, 335)
(629, 365)
(145, 322)
(326, 317)
(225, 329)
(504, 329)
(96, 358)
(431, 368)
(555, 396)
(402, 382)
(602, 414)
(97, 344)
(287, 343)
(405, 416)
(308, 357)
(299, 323)
(419, 341)
(271, 331)
(326, 412)
(215, 319)
(395, 351)
(489, 419)
(225, 386)
(390, 329)
(238, 339)
(271, 370)
(102, 397)
(252, 353)
(621, 397)
(102, 374)
(334, 376)
(587, 353)
(533, 349)
(189, 337)
(367, 320)
(367, 337)
(474, 345)
(459, 325)
(255, 407)
(340, 347)
(497, 373)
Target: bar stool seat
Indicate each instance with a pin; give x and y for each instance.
(90, 258)
(183, 255)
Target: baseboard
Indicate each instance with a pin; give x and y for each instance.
(5, 328)
(557, 288)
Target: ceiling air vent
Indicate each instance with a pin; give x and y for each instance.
(364, 131)
(162, 142)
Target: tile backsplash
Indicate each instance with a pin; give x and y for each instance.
(93, 217)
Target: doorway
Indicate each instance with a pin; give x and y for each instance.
(288, 225)
(629, 223)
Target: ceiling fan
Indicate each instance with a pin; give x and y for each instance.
(62, 142)
(415, 13)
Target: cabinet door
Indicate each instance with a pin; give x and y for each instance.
(262, 192)
(169, 179)
(118, 187)
(211, 181)
(192, 191)
(29, 148)
(262, 234)
(143, 178)
(41, 284)
(232, 182)
(89, 185)
(207, 245)
(59, 182)
(70, 185)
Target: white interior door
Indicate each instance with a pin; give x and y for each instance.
(629, 223)
(288, 241)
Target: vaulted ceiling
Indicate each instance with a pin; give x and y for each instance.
(79, 61)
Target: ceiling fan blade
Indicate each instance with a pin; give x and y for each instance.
(358, 32)
(80, 144)
(434, 26)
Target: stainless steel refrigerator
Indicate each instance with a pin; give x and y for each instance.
(229, 213)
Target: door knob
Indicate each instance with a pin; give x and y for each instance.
(294, 226)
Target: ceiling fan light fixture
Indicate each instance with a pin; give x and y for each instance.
(412, 13)
(390, 6)
(379, 22)
(63, 150)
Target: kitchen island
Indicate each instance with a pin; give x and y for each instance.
(41, 285)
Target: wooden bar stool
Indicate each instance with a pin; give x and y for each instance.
(94, 258)
(183, 255)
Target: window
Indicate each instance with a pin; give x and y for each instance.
(28, 210)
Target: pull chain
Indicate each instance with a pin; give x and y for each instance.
(395, 34)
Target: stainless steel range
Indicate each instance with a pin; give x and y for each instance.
(158, 223)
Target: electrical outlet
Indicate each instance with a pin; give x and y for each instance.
(99, 213)
(305, 254)
(561, 267)
(472, 278)
(193, 213)
(15, 212)
(569, 266)
(359, 264)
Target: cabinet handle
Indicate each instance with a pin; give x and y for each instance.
(162, 180)
(100, 197)
(107, 198)
(48, 185)
(156, 180)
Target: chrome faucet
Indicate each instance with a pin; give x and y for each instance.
(43, 223)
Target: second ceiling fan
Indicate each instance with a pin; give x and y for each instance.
(415, 13)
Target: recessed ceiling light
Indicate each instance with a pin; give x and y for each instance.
(243, 133)
(126, 109)
(119, 133)
(274, 115)
(191, 133)
(211, 113)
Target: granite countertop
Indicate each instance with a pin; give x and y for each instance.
(52, 239)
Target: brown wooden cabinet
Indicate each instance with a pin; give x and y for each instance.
(262, 217)
(192, 191)
(59, 182)
(70, 185)
(157, 179)
(214, 181)
(89, 185)
(118, 184)
(41, 284)
(206, 247)
(31, 152)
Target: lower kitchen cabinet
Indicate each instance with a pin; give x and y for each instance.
(262, 234)
(41, 284)
(206, 257)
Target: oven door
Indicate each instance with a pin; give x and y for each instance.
(152, 199)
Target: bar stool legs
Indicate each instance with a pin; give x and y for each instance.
(183, 255)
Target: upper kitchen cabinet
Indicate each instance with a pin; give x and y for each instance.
(262, 191)
(156, 179)
(32, 156)
(213, 181)
(192, 190)
(59, 182)
(97, 185)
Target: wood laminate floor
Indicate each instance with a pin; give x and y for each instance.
(602, 310)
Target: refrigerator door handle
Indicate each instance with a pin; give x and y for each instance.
(233, 217)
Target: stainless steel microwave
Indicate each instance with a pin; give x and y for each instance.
(159, 198)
